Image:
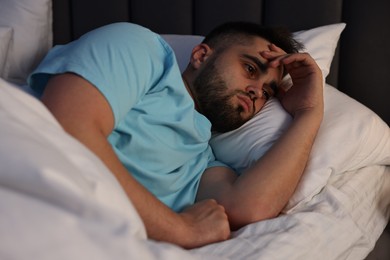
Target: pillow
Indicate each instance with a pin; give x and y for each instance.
(351, 136)
(321, 43)
(31, 22)
(5, 39)
(182, 45)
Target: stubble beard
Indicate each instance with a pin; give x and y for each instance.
(215, 102)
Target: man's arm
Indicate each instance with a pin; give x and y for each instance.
(85, 114)
(263, 190)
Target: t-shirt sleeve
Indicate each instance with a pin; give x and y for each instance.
(216, 163)
(213, 162)
(122, 60)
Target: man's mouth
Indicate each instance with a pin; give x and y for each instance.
(246, 102)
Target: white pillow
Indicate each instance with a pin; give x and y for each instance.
(5, 39)
(321, 43)
(351, 136)
(31, 22)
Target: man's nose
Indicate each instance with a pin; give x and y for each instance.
(254, 91)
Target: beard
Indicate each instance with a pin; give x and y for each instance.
(214, 100)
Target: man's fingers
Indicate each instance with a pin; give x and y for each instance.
(300, 58)
(275, 48)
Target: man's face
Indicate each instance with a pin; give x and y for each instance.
(234, 85)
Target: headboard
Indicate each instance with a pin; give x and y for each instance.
(361, 63)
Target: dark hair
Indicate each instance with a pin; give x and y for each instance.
(232, 33)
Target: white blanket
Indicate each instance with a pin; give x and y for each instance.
(342, 222)
(58, 201)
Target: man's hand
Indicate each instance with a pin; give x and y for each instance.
(307, 90)
(207, 221)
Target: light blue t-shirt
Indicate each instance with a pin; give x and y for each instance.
(159, 136)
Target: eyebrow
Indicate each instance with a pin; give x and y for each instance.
(262, 66)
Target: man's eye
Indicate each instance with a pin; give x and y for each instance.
(250, 69)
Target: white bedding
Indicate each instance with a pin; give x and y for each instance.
(58, 201)
(342, 222)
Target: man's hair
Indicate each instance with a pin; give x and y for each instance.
(232, 33)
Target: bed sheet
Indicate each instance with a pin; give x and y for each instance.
(342, 222)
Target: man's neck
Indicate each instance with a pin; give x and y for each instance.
(187, 85)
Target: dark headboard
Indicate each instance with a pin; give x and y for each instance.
(359, 69)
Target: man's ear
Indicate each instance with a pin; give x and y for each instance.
(199, 54)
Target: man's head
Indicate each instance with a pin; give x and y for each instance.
(229, 78)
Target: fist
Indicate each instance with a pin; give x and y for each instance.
(207, 222)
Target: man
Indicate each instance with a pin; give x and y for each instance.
(119, 91)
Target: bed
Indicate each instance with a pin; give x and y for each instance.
(59, 201)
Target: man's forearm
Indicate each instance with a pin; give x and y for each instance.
(280, 170)
(160, 221)
(262, 191)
